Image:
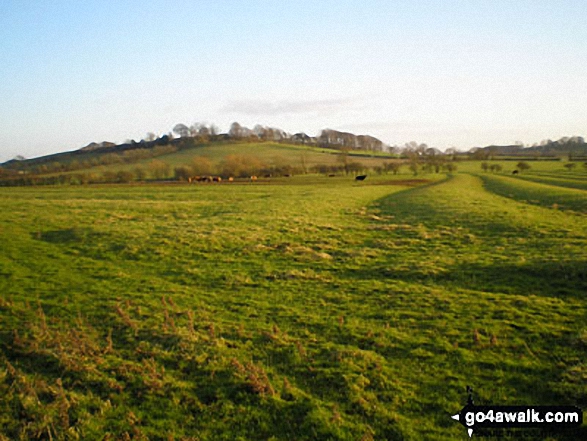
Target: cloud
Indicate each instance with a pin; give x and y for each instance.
(262, 107)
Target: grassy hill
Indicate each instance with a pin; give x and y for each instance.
(312, 308)
(160, 162)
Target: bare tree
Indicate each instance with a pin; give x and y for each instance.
(304, 162)
(182, 130)
(343, 159)
(204, 131)
(236, 130)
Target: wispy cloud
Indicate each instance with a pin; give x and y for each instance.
(263, 107)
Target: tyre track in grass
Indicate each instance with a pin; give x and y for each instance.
(535, 193)
(457, 232)
(468, 264)
(557, 181)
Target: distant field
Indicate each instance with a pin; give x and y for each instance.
(309, 308)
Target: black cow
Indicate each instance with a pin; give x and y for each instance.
(360, 178)
(515, 172)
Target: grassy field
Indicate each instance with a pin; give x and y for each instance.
(308, 309)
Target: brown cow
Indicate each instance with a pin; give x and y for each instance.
(253, 178)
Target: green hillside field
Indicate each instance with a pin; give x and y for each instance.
(313, 308)
(265, 154)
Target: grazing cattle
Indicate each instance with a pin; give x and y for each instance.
(230, 179)
(253, 178)
(204, 179)
(515, 172)
(360, 178)
(287, 176)
(331, 176)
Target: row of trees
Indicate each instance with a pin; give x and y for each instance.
(496, 168)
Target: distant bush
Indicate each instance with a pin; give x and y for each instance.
(159, 169)
(325, 169)
(450, 167)
(393, 167)
(125, 176)
(570, 166)
(140, 173)
(240, 166)
(109, 176)
(414, 168)
(356, 167)
(201, 166)
(182, 173)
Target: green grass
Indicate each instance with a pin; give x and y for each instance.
(554, 196)
(311, 308)
(561, 180)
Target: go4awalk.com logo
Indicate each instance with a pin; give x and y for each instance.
(480, 418)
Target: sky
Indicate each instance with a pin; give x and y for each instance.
(446, 73)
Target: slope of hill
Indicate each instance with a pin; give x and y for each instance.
(565, 146)
(178, 159)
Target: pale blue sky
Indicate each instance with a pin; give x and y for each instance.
(448, 73)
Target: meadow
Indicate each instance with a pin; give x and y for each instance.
(308, 308)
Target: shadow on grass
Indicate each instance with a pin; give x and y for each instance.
(66, 236)
(426, 206)
(549, 279)
(538, 193)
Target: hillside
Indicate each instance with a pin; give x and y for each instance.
(178, 159)
(565, 146)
